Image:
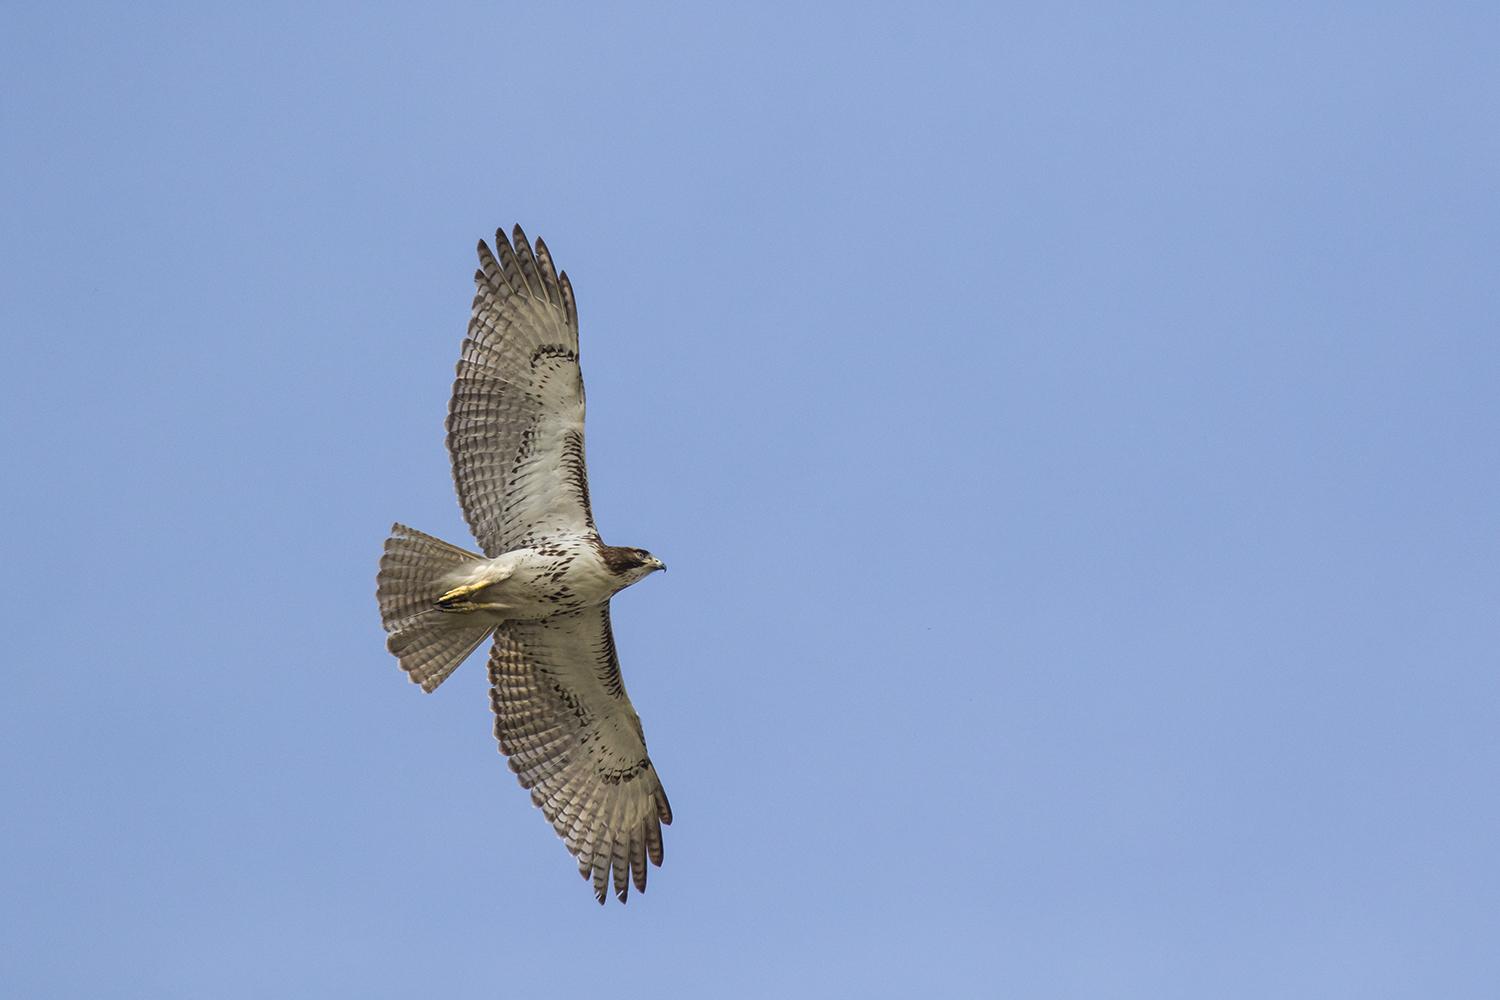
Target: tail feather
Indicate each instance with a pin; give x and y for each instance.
(429, 653)
(429, 644)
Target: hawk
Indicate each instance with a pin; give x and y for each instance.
(542, 586)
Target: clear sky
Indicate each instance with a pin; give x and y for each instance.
(1072, 432)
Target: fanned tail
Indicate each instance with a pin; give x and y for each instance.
(429, 644)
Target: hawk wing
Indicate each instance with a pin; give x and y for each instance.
(564, 720)
(515, 422)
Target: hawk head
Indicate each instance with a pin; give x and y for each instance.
(633, 564)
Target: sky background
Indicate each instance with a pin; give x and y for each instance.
(1071, 429)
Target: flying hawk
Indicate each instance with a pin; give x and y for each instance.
(542, 587)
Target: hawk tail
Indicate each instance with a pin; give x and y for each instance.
(429, 644)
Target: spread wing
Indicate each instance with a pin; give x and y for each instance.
(515, 423)
(563, 718)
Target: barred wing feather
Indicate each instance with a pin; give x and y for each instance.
(563, 718)
(515, 422)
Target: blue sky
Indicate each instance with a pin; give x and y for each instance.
(1072, 430)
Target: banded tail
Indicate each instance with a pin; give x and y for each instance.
(429, 643)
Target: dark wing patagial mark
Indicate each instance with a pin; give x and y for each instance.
(575, 471)
(548, 351)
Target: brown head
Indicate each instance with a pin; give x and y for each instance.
(622, 560)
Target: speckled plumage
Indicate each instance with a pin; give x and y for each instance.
(543, 583)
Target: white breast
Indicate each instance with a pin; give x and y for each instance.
(553, 576)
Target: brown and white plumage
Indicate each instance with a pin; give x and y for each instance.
(575, 741)
(542, 587)
(515, 422)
